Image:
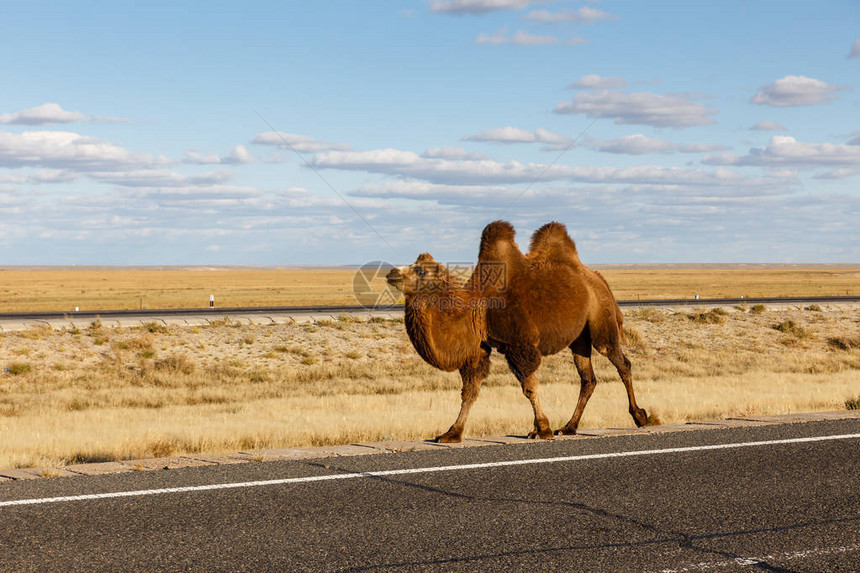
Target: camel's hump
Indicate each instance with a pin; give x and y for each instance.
(495, 240)
(495, 232)
(552, 242)
(498, 230)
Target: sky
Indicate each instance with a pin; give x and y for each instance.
(329, 133)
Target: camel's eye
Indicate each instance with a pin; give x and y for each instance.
(420, 272)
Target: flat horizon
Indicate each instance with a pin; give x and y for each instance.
(357, 266)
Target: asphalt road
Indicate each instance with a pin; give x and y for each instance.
(676, 503)
(335, 310)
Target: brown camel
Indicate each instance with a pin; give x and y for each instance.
(527, 307)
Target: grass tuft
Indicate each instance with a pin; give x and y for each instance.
(179, 363)
(18, 368)
(649, 314)
(155, 328)
(792, 328)
(713, 316)
(844, 342)
(633, 338)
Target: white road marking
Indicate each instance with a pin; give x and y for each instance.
(765, 559)
(386, 473)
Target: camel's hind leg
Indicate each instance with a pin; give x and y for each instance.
(473, 375)
(581, 349)
(524, 362)
(541, 427)
(622, 364)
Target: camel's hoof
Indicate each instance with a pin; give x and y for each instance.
(447, 438)
(566, 431)
(640, 417)
(544, 435)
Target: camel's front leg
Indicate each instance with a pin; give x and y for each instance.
(473, 376)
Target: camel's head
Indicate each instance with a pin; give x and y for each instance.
(425, 275)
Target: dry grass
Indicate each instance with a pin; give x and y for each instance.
(98, 393)
(24, 289)
(63, 289)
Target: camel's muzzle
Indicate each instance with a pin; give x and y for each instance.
(394, 277)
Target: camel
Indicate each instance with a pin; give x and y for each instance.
(524, 305)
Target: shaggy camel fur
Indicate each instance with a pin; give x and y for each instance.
(526, 306)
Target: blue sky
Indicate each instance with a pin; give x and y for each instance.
(293, 133)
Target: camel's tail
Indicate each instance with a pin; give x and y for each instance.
(620, 317)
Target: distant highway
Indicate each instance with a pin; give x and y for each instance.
(335, 310)
(758, 498)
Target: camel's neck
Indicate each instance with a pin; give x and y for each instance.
(445, 329)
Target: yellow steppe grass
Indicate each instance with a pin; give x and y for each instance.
(24, 289)
(99, 394)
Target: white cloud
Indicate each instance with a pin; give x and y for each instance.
(66, 149)
(159, 178)
(488, 172)
(595, 82)
(43, 114)
(768, 126)
(794, 91)
(855, 49)
(841, 173)
(48, 113)
(40, 176)
(300, 143)
(700, 147)
(636, 144)
(584, 15)
(238, 155)
(516, 135)
(478, 6)
(200, 159)
(449, 152)
(784, 150)
(639, 144)
(645, 108)
(521, 38)
(503, 135)
(498, 38)
(422, 191)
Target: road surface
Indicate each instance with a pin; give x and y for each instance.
(298, 314)
(768, 498)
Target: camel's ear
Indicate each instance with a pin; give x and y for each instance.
(425, 258)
